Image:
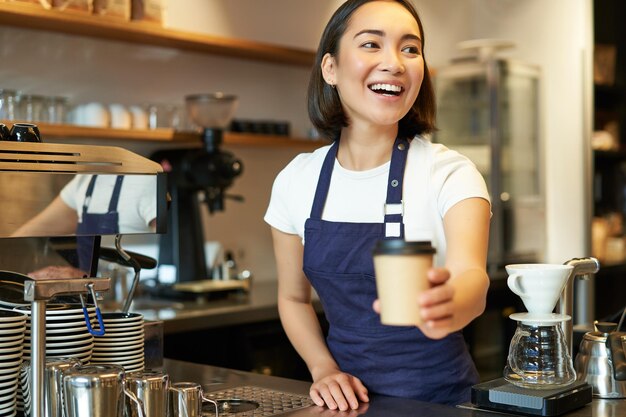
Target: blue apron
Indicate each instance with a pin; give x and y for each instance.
(96, 223)
(397, 361)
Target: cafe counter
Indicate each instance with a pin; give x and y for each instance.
(271, 392)
(256, 306)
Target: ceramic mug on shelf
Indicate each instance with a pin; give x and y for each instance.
(91, 114)
(120, 117)
(139, 117)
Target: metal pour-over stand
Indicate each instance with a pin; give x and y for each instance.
(39, 293)
(501, 395)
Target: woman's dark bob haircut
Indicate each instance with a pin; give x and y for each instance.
(325, 109)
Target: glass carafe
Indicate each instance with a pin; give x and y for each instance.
(538, 357)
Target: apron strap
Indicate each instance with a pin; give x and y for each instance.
(115, 196)
(89, 192)
(394, 206)
(323, 183)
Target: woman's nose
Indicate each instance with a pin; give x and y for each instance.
(393, 62)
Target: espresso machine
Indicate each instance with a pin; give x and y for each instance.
(539, 377)
(32, 175)
(197, 179)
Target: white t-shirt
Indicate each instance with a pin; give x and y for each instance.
(136, 205)
(435, 179)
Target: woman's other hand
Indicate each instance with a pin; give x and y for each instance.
(338, 390)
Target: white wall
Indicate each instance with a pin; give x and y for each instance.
(557, 36)
(553, 34)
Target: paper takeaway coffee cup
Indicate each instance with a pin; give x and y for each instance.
(401, 269)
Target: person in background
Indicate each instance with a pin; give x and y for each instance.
(371, 94)
(94, 205)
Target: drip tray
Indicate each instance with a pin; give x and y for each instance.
(251, 401)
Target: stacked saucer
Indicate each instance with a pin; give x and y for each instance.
(66, 332)
(12, 327)
(66, 335)
(122, 343)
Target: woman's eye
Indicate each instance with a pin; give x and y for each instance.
(369, 45)
(414, 50)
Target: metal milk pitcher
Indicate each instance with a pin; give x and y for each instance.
(601, 362)
(53, 374)
(97, 391)
(151, 388)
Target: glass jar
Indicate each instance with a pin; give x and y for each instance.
(55, 110)
(8, 101)
(538, 357)
(31, 108)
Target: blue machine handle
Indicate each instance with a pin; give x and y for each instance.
(98, 314)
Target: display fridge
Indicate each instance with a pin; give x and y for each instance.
(488, 110)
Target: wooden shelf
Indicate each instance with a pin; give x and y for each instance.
(31, 16)
(51, 131)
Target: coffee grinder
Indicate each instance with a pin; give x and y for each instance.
(197, 178)
(539, 377)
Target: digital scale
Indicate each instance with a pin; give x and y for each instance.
(500, 395)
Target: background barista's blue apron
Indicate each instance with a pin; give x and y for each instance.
(390, 360)
(96, 223)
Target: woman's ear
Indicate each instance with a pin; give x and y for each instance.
(328, 69)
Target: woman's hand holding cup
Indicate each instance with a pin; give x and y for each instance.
(434, 304)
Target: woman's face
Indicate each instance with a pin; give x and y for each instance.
(379, 68)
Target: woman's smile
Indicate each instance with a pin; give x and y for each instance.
(386, 89)
(379, 68)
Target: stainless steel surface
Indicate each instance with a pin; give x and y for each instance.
(33, 174)
(258, 305)
(186, 400)
(136, 269)
(46, 289)
(53, 386)
(582, 267)
(153, 344)
(593, 364)
(38, 356)
(253, 401)
(586, 289)
(95, 391)
(151, 388)
(215, 379)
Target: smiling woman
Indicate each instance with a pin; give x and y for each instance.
(370, 92)
(326, 103)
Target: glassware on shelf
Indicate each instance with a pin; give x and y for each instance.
(30, 108)
(55, 110)
(8, 104)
